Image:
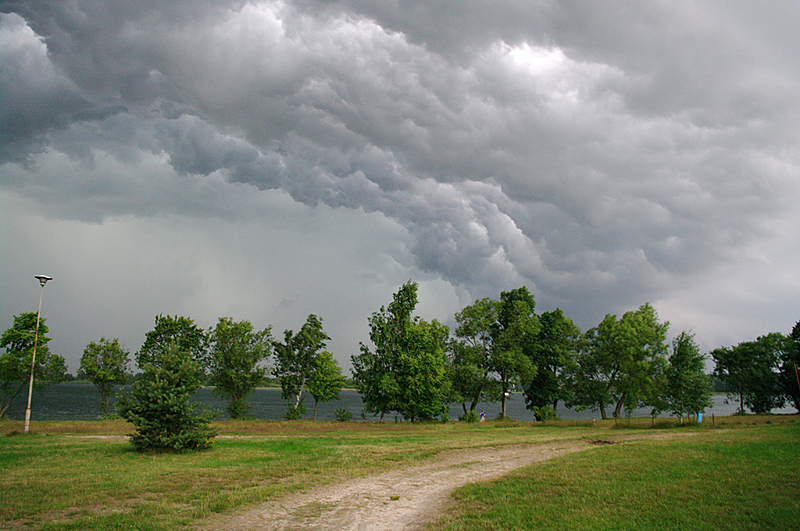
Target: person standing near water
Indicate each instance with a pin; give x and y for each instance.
(483, 414)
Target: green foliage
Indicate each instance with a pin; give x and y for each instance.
(105, 364)
(160, 409)
(789, 375)
(15, 362)
(471, 417)
(470, 354)
(236, 362)
(295, 411)
(492, 349)
(406, 372)
(543, 413)
(296, 360)
(342, 415)
(181, 331)
(554, 354)
(514, 336)
(687, 387)
(751, 369)
(622, 363)
(326, 380)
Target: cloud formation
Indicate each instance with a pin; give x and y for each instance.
(604, 155)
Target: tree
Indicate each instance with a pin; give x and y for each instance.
(105, 364)
(406, 370)
(751, 370)
(553, 353)
(789, 377)
(159, 406)
(688, 389)
(621, 362)
(514, 335)
(182, 331)
(236, 362)
(470, 354)
(326, 380)
(15, 363)
(296, 362)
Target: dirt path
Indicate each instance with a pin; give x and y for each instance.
(398, 499)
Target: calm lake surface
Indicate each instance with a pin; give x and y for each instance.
(69, 401)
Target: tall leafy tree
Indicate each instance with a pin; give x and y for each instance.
(751, 369)
(789, 373)
(406, 371)
(621, 362)
(688, 389)
(237, 361)
(296, 361)
(554, 355)
(326, 380)
(169, 330)
(470, 354)
(105, 364)
(514, 336)
(159, 404)
(15, 362)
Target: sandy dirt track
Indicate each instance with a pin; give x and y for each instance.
(402, 499)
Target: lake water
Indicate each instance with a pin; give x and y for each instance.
(70, 401)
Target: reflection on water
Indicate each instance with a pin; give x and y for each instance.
(82, 402)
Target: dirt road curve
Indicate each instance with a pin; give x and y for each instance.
(397, 500)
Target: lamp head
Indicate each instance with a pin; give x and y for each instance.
(42, 279)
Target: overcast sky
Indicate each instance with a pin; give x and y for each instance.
(266, 160)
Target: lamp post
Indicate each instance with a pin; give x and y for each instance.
(42, 281)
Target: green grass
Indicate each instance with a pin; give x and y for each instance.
(731, 479)
(66, 476)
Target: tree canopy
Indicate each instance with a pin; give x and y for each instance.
(15, 362)
(237, 361)
(105, 364)
(168, 330)
(405, 372)
(296, 361)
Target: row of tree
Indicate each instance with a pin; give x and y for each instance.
(414, 368)
(233, 357)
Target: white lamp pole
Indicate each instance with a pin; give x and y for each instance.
(42, 281)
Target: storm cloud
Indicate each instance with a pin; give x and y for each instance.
(604, 155)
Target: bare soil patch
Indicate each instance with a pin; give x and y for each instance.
(398, 499)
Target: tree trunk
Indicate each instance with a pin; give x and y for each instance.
(503, 414)
(315, 409)
(618, 408)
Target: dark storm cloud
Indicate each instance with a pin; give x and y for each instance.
(583, 149)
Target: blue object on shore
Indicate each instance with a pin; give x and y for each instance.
(700, 417)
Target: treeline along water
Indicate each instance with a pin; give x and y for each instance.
(71, 401)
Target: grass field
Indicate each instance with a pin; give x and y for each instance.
(742, 479)
(83, 475)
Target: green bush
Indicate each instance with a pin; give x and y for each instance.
(295, 413)
(158, 406)
(470, 416)
(342, 415)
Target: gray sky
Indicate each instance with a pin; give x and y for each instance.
(266, 160)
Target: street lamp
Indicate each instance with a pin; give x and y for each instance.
(42, 281)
